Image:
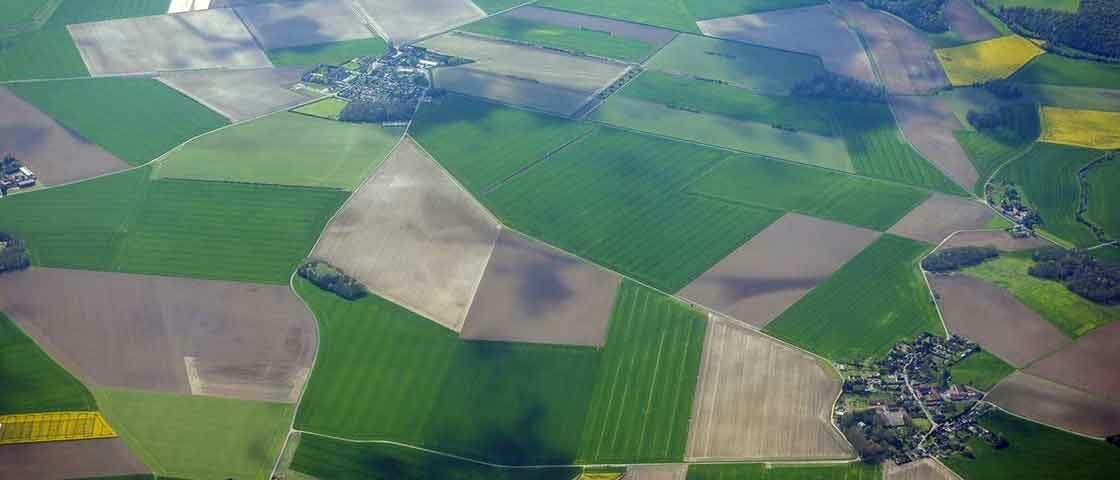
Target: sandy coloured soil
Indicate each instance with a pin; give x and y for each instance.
(656, 472)
(925, 469)
(1057, 405)
(928, 123)
(213, 38)
(941, 215)
(245, 341)
(1089, 364)
(996, 238)
(775, 268)
(55, 153)
(634, 31)
(75, 459)
(512, 91)
(411, 235)
(814, 30)
(759, 399)
(991, 316)
(307, 22)
(967, 22)
(903, 57)
(405, 21)
(533, 293)
(241, 94)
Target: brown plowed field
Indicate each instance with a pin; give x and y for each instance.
(928, 123)
(512, 90)
(758, 399)
(941, 215)
(119, 330)
(992, 317)
(405, 21)
(904, 58)
(996, 238)
(1058, 405)
(926, 469)
(411, 235)
(55, 153)
(967, 22)
(777, 267)
(240, 94)
(656, 472)
(77, 459)
(534, 293)
(309, 22)
(634, 31)
(1089, 364)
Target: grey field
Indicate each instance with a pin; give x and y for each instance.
(941, 215)
(241, 94)
(298, 23)
(405, 21)
(903, 55)
(1055, 404)
(928, 123)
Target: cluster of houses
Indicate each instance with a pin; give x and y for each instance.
(14, 175)
(1006, 199)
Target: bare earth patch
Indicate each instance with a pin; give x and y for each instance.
(1058, 405)
(814, 30)
(991, 316)
(967, 22)
(656, 472)
(308, 22)
(411, 235)
(513, 91)
(213, 38)
(996, 238)
(758, 399)
(240, 94)
(928, 123)
(56, 154)
(925, 469)
(76, 459)
(941, 215)
(253, 342)
(634, 31)
(904, 58)
(534, 293)
(1089, 364)
(777, 267)
(405, 21)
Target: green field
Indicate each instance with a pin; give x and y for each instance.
(1104, 198)
(875, 300)
(615, 197)
(326, 458)
(672, 14)
(703, 9)
(820, 193)
(136, 119)
(981, 370)
(1073, 315)
(19, 12)
(482, 144)
(1082, 98)
(335, 53)
(1036, 451)
(285, 149)
(32, 381)
(761, 69)
(327, 108)
(1058, 70)
(577, 40)
(989, 150)
(760, 471)
(1064, 5)
(198, 436)
(642, 401)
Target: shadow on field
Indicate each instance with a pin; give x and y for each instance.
(736, 287)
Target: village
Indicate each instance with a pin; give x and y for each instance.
(14, 175)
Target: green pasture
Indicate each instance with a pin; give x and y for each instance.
(778, 471)
(483, 144)
(862, 310)
(1058, 70)
(1073, 315)
(328, 108)
(335, 53)
(1084, 98)
(81, 11)
(1036, 451)
(756, 181)
(136, 119)
(20, 12)
(1103, 195)
(671, 14)
(195, 436)
(577, 40)
(285, 149)
(1047, 177)
(323, 457)
(980, 370)
(988, 150)
(1064, 5)
(761, 69)
(615, 197)
(32, 381)
(704, 9)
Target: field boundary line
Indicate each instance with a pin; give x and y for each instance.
(902, 132)
(1028, 419)
(525, 169)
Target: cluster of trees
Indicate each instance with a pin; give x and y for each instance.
(1003, 88)
(13, 254)
(1005, 116)
(875, 441)
(956, 258)
(1094, 28)
(377, 112)
(831, 85)
(928, 15)
(1080, 273)
(331, 279)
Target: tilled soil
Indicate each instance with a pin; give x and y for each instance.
(75, 459)
(404, 21)
(1089, 364)
(928, 123)
(1058, 405)
(967, 22)
(240, 94)
(941, 215)
(996, 238)
(310, 22)
(904, 57)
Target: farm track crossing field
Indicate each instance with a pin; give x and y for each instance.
(762, 69)
(904, 59)
(148, 118)
(941, 215)
(1103, 197)
(296, 24)
(987, 60)
(101, 459)
(576, 40)
(334, 53)
(405, 21)
(671, 14)
(777, 471)
(1053, 404)
(928, 123)
(241, 94)
(44, 386)
(1055, 69)
(1081, 128)
(980, 370)
(1087, 364)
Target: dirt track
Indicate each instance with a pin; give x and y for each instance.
(1089, 364)
(941, 215)
(928, 123)
(240, 94)
(967, 22)
(58, 460)
(904, 58)
(1053, 404)
(999, 239)
(248, 341)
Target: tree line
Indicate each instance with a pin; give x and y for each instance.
(928, 15)
(1093, 28)
(13, 254)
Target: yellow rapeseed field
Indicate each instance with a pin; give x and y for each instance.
(1081, 128)
(600, 476)
(987, 60)
(52, 427)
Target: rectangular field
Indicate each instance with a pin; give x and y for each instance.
(762, 69)
(103, 459)
(671, 14)
(940, 216)
(295, 24)
(573, 39)
(328, 108)
(406, 21)
(981, 370)
(704, 9)
(1051, 403)
(777, 471)
(241, 94)
(1087, 364)
(44, 386)
(1058, 70)
(335, 53)
(654, 36)
(53, 427)
(987, 60)
(1081, 128)
(904, 59)
(510, 90)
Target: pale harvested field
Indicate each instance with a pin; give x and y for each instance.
(533, 293)
(656, 472)
(992, 317)
(814, 30)
(413, 236)
(77, 459)
(307, 22)
(775, 268)
(1058, 405)
(941, 215)
(967, 22)
(240, 94)
(759, 399)
(904, 58)
(213, 38)
(55, 153)
(634, 31)
(998, 238)
(926, 469)
(180, 6)
(929, 123)
(119, 330)
(1089, 364)
(405, 21)
(511, 90)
